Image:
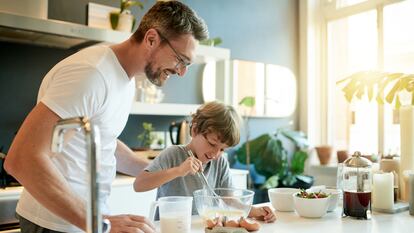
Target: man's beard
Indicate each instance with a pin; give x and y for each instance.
(153, 76)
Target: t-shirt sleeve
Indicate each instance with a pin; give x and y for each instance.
(161, 162)
(76, 90)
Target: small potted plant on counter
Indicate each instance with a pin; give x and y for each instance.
(146, 137)
(123, 20)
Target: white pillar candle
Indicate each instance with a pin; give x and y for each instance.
(383, 191)
(407, 144)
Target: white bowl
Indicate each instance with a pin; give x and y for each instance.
(281, 198)
(310, 207)
(333, 198)
(333, 195)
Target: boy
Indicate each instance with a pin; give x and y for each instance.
(214, 127)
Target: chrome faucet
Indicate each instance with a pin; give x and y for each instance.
(93, 143)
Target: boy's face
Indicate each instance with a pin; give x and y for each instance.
(207, 147)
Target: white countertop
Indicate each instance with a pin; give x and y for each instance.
(290, 222)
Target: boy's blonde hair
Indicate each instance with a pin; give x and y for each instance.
(220, 119)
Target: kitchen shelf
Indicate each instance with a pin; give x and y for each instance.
(163, 109)
(66, 35)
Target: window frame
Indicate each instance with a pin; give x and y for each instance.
(316, 116)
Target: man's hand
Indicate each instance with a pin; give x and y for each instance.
(190, 165)
(130, 223)
(262, 213)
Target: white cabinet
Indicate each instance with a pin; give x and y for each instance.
(124, 200)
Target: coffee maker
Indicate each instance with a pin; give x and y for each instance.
(357, 180)
(182, 130)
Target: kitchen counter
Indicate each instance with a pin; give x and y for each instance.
(288, 222)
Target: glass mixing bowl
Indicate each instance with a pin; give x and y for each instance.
(230, 202)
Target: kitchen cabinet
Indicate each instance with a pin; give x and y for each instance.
(124, 200)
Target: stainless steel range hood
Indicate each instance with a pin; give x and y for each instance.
(53, 33)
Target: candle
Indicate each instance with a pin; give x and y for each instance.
(392, 165)
(407, 145)
(383, 191)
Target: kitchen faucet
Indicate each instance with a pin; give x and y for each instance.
(93, 142)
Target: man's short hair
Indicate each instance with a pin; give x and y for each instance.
(173, 19)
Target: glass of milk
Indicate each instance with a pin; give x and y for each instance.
(175, 213)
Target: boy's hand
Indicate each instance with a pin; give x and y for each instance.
(262, 213)
(191, 165)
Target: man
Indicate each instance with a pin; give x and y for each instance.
(98, 83)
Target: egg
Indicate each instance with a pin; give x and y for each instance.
(232, 223)
(210, 223)
(249, 225)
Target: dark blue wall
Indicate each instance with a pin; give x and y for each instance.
(263, 31)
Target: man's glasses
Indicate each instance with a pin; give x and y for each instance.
(181, 62)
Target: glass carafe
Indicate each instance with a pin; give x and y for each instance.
(356, 187)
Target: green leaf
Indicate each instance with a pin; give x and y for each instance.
(272, 182)
(212, 41)
(127, 4)
(248, 101)
(114, 18)
(393, 92)
(257, 146)
(297, 137)
(297, 165)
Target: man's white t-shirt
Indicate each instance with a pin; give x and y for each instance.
(90, 83)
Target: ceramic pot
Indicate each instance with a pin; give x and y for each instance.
(342, 155)
(324, 154)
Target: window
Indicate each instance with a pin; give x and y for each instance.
(364, 35)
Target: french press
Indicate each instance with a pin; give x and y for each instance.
(357, 180)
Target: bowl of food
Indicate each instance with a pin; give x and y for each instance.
(311, 204)
(333, 195)
(282, 199)
(229, 208)
(230, 202)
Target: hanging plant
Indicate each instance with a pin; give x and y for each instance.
(384, 87)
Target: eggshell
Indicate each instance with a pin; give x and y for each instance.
(232, 223)
(249, 225)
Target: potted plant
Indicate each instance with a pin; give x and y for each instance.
(123, 20)
(211, 41)
(377, 85)
(280, 158)
(145, 138)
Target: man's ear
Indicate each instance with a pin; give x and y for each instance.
(151, 37)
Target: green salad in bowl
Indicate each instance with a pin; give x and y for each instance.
(311, 195)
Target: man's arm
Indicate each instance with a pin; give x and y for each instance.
(149, 180)
(127, 161)
(29, 161)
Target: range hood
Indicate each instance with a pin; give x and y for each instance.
(53, 33)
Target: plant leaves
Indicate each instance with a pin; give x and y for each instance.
(297, 137)
(248, 101)
(390, 96)
(297, 164)
(257, 147)
(272, 182)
